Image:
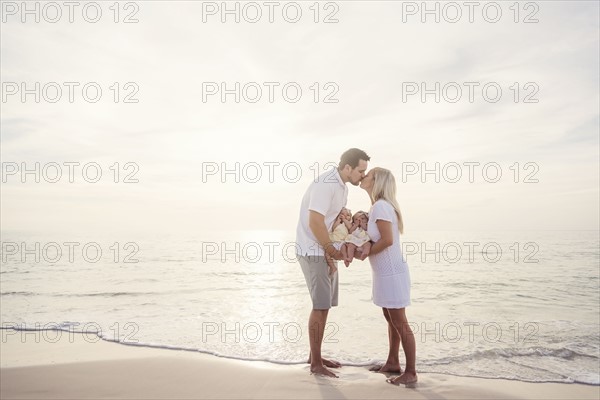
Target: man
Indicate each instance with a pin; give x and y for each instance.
(321, 204)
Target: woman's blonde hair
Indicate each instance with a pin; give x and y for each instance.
(384, 188)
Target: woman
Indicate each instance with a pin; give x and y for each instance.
(391, 279)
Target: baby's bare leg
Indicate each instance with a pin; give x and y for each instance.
(351, 250)
(344, 251)
(329, 260)
(330, 264)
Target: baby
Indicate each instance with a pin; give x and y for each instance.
(349, 235)
(357, 240)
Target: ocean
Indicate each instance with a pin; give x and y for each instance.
(512, 305)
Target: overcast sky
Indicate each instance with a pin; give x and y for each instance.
(371, 62)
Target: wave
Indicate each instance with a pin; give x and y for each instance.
(541, 351)
(102, 294)
(276, 285)
(99, 294)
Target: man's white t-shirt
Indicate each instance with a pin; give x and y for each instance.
(327, 196)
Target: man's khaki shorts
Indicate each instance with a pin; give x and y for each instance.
(323, 288)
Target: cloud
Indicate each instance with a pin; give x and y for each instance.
(171, 133)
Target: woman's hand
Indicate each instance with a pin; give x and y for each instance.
(366, 250)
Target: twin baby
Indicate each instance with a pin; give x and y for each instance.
(349, 235)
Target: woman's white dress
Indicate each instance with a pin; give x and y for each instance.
(391, 278)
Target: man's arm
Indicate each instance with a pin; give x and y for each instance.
(316, 223)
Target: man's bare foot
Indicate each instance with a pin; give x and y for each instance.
(405, 379)
(321, 370)
(387, 368)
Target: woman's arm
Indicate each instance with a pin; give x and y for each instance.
(387, 237)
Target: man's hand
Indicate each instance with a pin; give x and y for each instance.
(337, 255)
(317, 226)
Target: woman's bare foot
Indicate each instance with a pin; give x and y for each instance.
(331, 363)
(387, 368)
(404, 379)
(321, 370)
(327, 363)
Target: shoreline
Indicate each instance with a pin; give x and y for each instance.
(192, 351)
(72, 367)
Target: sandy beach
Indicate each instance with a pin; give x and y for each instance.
(78, 367)
(172, 173)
